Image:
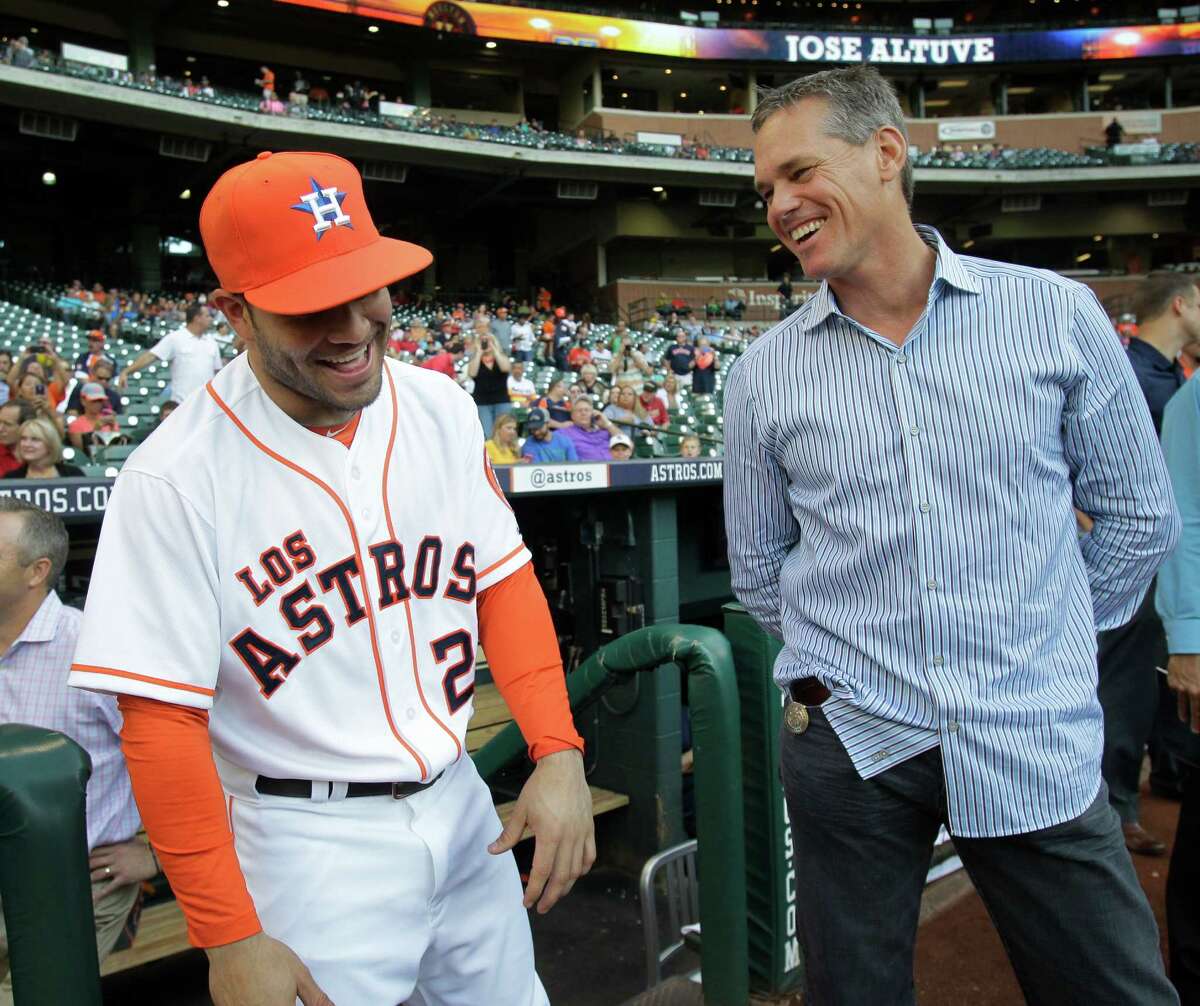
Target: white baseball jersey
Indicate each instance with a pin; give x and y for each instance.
(320, 600)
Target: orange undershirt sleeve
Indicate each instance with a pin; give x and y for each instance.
(518, 637)
(179, 795)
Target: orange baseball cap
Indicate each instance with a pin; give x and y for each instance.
(292, 233)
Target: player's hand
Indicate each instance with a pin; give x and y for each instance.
(260, 971)
(120, 865)
(557, 806)
(1183, 677)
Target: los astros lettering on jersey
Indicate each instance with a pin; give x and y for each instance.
(325, 581)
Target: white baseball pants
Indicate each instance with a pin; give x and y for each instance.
(390, 901)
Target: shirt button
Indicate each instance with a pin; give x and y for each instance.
(914, 431)
(939, 660)
(931, 584)
(925, 508)
(952, 726)
(901, 358)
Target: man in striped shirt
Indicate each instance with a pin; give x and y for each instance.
(37, 640)
(903, 521)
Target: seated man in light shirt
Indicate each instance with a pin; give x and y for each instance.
(521, 390)
(37, 641)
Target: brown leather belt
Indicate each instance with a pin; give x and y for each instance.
(802, 693)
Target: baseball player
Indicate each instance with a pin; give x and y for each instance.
(289, 591)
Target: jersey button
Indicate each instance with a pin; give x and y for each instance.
(366, 513)
(412, 713)
(395, 636)
(355, 473)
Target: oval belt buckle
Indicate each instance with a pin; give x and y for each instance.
(795, 717)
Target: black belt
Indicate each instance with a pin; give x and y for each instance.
(302, 788)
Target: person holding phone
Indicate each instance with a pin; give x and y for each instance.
(488, 366)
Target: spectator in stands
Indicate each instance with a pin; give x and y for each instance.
(706, 364)
(625, 411)
(192, 353)
(521, 390)
(556, 404)
(547, 347)
(668, 394)
(629, 364)
(681, 357)
(95, 351)
(167, 408)
(97, 417)
(589, 377)
(445, 360)
(19, 54)
(620, 447)
(265, 81)
(298, 95)
(206, 89)
(522, 339)
(652, 406)
(502, 329)
(578, 355)
(785, 295)
(271, 105)
(733, 307)
(564, 338)
(43, 362)
(502, 446)
(6, 362)
(691, 324)
(31, 392)
(1114, 133)
(37, 641)
(589, 431)
(544, 445)
(13, 415)
(689, 446)
(601, 356)
(101, 374)
(488, 367)
(406, 340)
(40, 450)
(712, 309)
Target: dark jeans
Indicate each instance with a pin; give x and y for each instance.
(1129, 695)
(1065, 900)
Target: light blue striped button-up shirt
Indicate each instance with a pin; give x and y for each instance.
(901, 517)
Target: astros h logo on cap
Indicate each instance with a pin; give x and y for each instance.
(292, 233)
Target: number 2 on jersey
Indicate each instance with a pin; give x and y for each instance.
(442, 651)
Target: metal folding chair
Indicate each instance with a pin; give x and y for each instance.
(680, 896)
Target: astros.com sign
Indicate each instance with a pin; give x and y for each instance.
(860, 49)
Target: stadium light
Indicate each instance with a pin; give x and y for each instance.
(667, 71)
(609, 30)
(922, 25)
(969, 243)
(540, 23)
(624, 94)
(616, 76)
(372, 28)
(489, 44)
(1083, 258)
(722, 88)
(1097, 237)
(49, 178)
(222, 3)
(1154, 235)
(657, 188)
(1167, 15)
(186, 194)
(688, 17)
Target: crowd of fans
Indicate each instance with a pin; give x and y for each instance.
(355, 102)
(612, 389)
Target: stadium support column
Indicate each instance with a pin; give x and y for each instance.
(578, 92)
(141, 43)
(751, 91)
(916, 99)
(420, 92)
(145, 242)
(1168, 88)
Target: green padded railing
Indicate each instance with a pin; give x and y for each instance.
(44, 882)
(716, 740)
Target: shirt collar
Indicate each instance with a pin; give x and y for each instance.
(948, 270)
(1151, 354)
(44, 624)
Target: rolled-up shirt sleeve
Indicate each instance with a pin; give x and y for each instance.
(1120, 478)
(1178, 597)
(759, 522)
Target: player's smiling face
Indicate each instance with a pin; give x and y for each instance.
(321, 368)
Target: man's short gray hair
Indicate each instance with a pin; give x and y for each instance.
(44, 536)
(860, 103)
